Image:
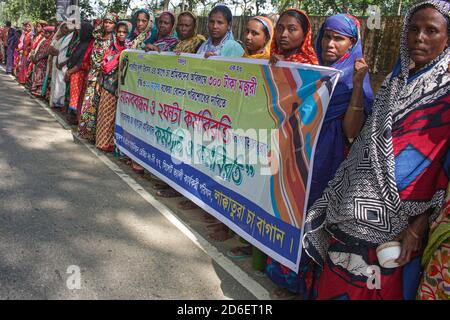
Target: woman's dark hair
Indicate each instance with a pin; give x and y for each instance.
(223, 10)
(301, 19)
(8, 24)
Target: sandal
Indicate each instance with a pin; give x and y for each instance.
(239, 253)
(283, 294)
(187, 205)
(168, 193)
(161, 186)
(137, 168)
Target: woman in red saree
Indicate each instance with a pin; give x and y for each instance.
(38, 37)
(24, 49)
(40, 59)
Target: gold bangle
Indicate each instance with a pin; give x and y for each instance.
(358, 108)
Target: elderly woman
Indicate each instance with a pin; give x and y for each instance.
(104, 37)
(165, 38)
(394, 179)
(190, 40)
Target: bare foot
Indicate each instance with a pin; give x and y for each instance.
(221, 235)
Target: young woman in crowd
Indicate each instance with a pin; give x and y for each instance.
(221, 40)
(339, 46)
(293, 43)
(38, 37)
(40, 60)
(393, 181)
(24, 49)
(165, 40)
(258, 40)
(77, 68)
(103, 39)
(12, 41)
(108, 94)
(59, 65)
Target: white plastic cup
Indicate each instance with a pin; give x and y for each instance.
(387, 253)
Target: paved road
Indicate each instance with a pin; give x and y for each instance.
(60, 206)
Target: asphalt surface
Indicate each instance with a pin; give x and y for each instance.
(61, 207)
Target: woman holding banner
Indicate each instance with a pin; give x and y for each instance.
(165, 40)
(258, 40)
(221, 40)
(143, 23)
(293, 43)
(190, 40)
(394, 180)
(103, 39)
(108, 93)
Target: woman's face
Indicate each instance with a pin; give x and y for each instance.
(108, 26)
(255, 37)
(64, 29)
(39, 28)
(217, 26)
(141, 22)
(48, 34)
(289, 33)
(427, 36)
(28, 28)
(185, 27)
(165, 25)
(334, 46)
(122, 33)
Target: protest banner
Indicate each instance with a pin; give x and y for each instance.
(234, 135)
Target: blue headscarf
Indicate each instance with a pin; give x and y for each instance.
(330, 149)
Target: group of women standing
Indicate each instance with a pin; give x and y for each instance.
(382, 164)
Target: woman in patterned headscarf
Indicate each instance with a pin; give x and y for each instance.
(40, 59)
(258, 38)
(293, 38)
(143, 29)
(104, 37)
(393, 182)
(190, 40)
(108, 95)
(165, 40)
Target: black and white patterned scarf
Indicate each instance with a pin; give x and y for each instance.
(361, 205)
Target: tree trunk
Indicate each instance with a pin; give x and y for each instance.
(166, 5)
(399, 11)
